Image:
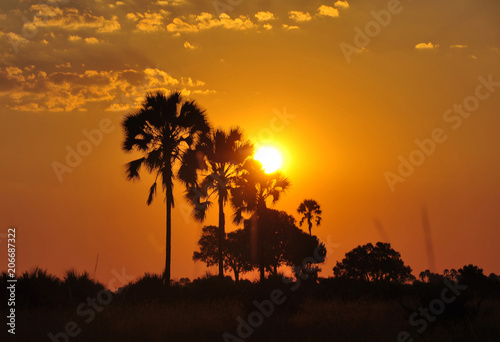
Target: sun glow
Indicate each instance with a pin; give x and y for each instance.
(270, 159)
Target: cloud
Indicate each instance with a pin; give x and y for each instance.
(69, 19)
(341, 4)
(264, 16)
(268, 26)
(149, 22)
(189, 46)
(288, 27)
(73, 38)
(206, 21)
(188, 81)
(327, 11)
(29, 89)
(16, 39)
(426, 46)
(168, 3)
(92, 40)
(299, 16)
(64, 65)
(157, 78)
(458, 46)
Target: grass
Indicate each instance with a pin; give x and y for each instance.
(207, 320)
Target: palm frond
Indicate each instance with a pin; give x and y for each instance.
(152, 193)
(133, 168)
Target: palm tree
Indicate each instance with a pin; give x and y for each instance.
(162, 130)
(253, 188)
(310, 211)
(217, 161)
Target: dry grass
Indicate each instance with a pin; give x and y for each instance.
(310, 320)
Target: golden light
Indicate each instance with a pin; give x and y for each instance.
(270, 159)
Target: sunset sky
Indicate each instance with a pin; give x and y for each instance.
(342, 89)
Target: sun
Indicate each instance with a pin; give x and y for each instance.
(270, 159)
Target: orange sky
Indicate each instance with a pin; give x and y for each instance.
(347, 122)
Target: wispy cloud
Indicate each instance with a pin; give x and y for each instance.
(426, 46)
(299, 16)
(189, 46)
(149, 21)
(206, 21)
(290, 27)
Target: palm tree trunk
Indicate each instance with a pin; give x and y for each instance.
(168, 250)
(262, 274)
(222, 234)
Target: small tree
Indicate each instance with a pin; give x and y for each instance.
(304, 252)
(237, 253)
(471, 275)
(310, 211)
(235, 250)
(275, 240)
(374, 263)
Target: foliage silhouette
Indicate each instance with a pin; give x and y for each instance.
(310, 210)
(235, 250)
(79, 286)
(275, 240)
(374, 263)
(472, 276)
(253, 188)
(162, 130)
(213, 167)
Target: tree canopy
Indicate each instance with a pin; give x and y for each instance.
(374, 263)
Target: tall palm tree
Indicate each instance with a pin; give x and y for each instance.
(162, 130)
(310, 211)
(253, 189)
(216, 161)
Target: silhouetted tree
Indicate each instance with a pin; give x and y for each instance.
(209, 246)
(374, 263)
(451, 274)
(429, 277)
(310, 210)
(304, 253)
(275, 240)
(216, 161)
(493, 277)
(253, 188)
(471, 275)
(162, 130)
(235, 250)
(237, 253)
